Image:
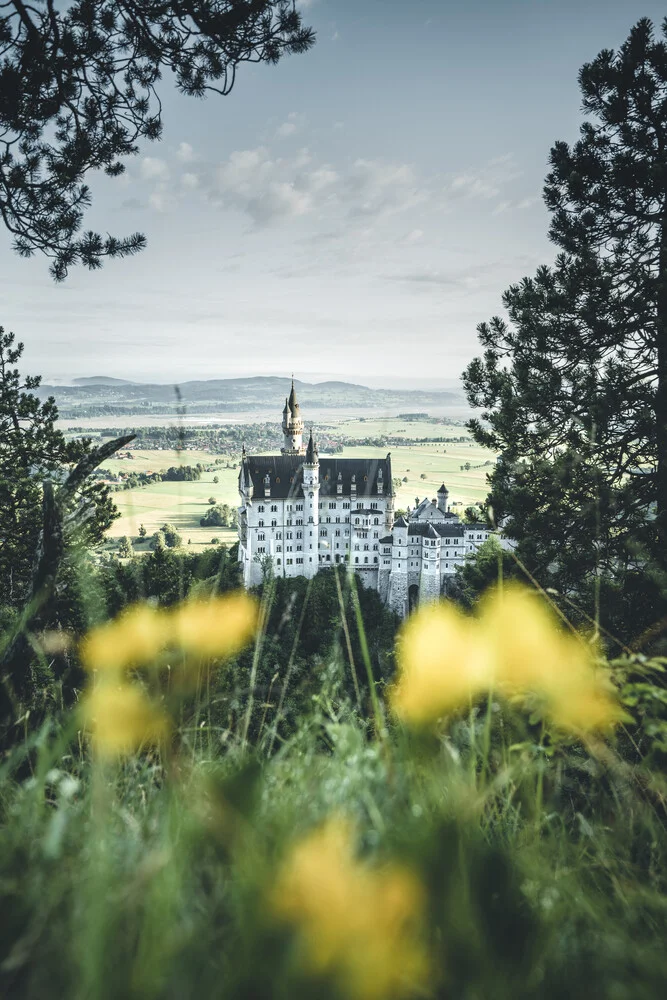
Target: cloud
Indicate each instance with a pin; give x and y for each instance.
(190, 181)
(160, 200)
(152, 168)
(132, 204)
(414, 236)
(185, 152)
(485, 182)
(294, 123)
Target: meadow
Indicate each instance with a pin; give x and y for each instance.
(184, 503)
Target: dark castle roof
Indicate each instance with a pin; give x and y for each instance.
(432, 528)
(285, 474)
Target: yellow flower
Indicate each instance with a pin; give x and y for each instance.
(525, 638)
(534, 654)
(220, 626)
(583, 697)
(134, 638)
(443, 662)
(358, 924)
(121, 718)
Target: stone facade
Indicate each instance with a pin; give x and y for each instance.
(301, 512)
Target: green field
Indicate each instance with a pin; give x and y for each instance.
(183, 504)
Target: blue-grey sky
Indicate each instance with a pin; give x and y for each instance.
(352, 212)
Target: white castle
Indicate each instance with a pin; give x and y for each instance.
(301, 512)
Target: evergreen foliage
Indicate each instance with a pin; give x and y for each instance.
(33, 451)
(574, 384)
(78, 91)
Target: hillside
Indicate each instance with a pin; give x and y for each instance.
(105, 395)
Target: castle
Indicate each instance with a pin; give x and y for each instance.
(301, 512)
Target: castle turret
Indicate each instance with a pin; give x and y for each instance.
(292, 426)
(443, 498)
(311, 508)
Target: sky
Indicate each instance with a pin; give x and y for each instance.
(353, 212)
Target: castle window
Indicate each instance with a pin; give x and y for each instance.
(346, 506)
(299, 520)
(374, 506)
(365, 557)
(299, 506)
(299, 534)
(375, 559)
(277, 479)
(260, 524)
(365, 479)
(332, 506)
(376, 520)
(260, 537)
(261, 548)
(274, 508)
(356, 559)
(261, 508)
(323, 532)
(291, 479)
(360, 506)
(356, 520)
(279, 548)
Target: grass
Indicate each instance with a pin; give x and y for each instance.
(179, 503)
(488, 856)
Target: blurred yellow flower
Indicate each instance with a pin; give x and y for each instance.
(443, 662)
(121, 718)
(358, 924)
(533, 653)
(220, 626)
(135, 637)
(524, 636)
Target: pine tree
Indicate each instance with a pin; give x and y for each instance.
(33, 451)
(574, 385)
(79, 90)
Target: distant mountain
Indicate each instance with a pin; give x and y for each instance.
(101, 395)
(100, 380)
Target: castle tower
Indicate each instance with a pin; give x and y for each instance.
(311, 509)
(443, 498)
(292, 426)
(398, 580)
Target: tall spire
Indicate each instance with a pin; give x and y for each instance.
(311, 451)
(292, 425)
(292, 401)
